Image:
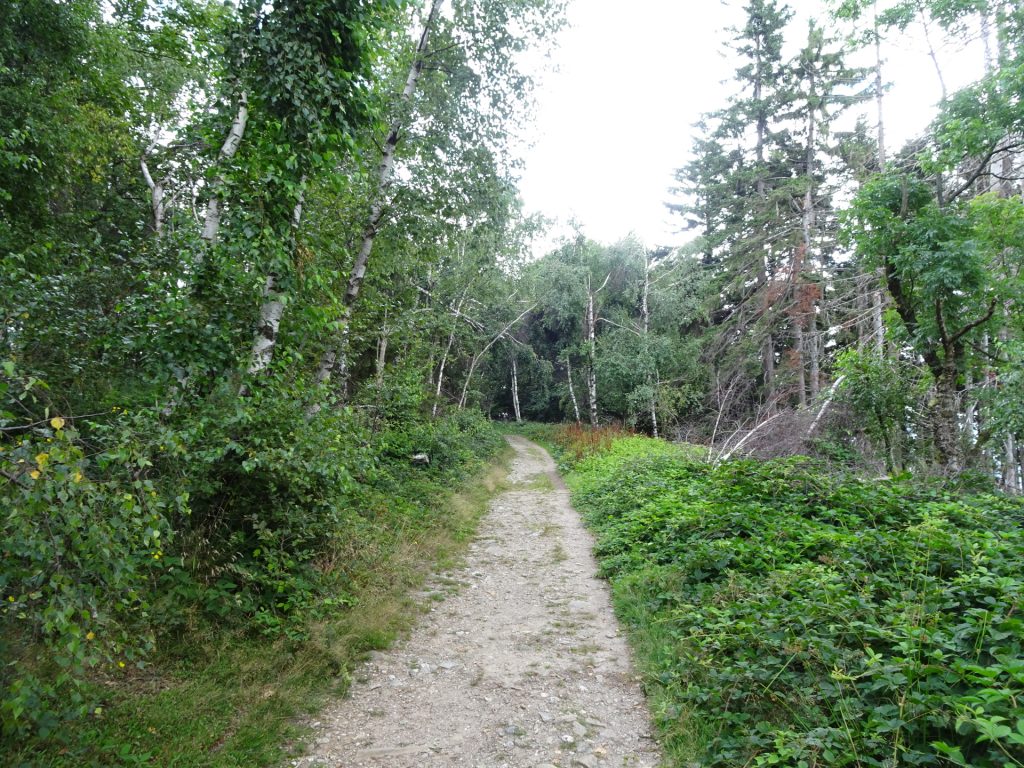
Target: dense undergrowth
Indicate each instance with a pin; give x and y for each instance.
(176, 588)
(784, 614)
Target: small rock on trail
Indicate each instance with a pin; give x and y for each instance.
(523, 667)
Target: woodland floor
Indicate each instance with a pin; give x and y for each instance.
(518, 662)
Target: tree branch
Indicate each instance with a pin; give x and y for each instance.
(980, 321)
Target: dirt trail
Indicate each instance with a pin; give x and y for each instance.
(520, 665)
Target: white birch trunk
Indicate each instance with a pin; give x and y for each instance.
(1011, 481)
(156, 198)
(335, 360)
(824, 406)
(444, 357)
(440, 374)
(515, 389)
(382, 350)
(592, 346)
(211, 221)
(265, 338)
(572, 391)
(479, 355)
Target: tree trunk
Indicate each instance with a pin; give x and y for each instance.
(211, 222)
(572, 391)
(814, 351)
(447, 352)
(876, 323)
(335, 359)
(265, 338)
(382, 350)
(592, 347)
(515, 388)
(946, 422)
(645, 314)
(476, 358)
(879, 86)
(156, 198)
(798, 349)
(1011, 482)
(654, 404)
(931, 53)
(768, 364)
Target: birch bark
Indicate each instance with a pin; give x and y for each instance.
(444, 357)
(335, 359)
(572, 391)
(592, 347)
(515, 389)
(479, 355)
(265, 338)
(156, 197)
(211, 222)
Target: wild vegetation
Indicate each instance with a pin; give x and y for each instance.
(263, 266)
(230, 237)
(788, 614)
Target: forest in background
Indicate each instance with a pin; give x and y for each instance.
(841, 297)
(256, 257)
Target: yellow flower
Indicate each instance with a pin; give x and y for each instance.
(34, 474)
(77, 477)
(120, 664)
(41, 459)
(90, 635)
(10, 598)
(57, 422)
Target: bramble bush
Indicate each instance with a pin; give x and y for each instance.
(789, 616)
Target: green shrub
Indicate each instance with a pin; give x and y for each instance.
(81, 550)
(812, 619)
(236, 512)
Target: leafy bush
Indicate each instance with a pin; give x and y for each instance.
(80, 558)
(245, 513)
(810, 619)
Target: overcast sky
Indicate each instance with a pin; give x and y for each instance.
(615, 117)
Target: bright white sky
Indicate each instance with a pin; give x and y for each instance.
(614, 120)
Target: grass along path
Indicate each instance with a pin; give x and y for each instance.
(222, 699)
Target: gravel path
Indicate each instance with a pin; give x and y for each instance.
(519, 663)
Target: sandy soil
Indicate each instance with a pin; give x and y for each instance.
(519, 662)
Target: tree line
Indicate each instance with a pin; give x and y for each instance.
(840, 296)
